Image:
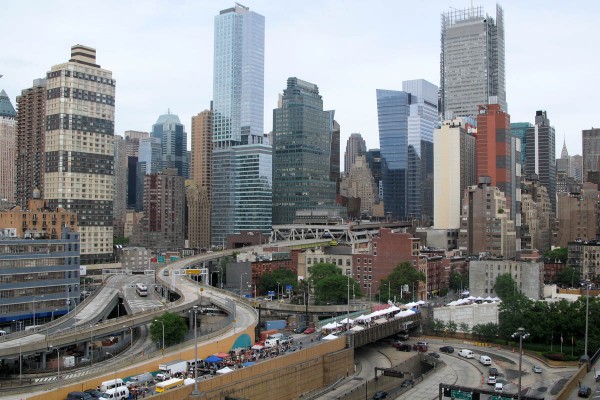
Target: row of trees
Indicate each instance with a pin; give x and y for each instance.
(549, 324)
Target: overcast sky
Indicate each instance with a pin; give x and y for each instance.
(161, 54)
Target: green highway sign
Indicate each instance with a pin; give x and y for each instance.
(457, 394)
(500, 398)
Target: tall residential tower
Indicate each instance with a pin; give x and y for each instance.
(79, 149)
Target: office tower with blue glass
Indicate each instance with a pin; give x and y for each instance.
(472, 61)
(173, 139)
(301, 153)
(242, 162)
(406, 121)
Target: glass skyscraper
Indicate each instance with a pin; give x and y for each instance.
(173, 140)
(406, 121)
(472, 61)
(238, 104)
(302, 136)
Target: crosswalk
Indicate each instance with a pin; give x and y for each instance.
(53, 378)
(144, 304)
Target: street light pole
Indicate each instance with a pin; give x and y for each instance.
(348, 313)
(522, 335)
(20, 364)
(163, 335)
(195, 392)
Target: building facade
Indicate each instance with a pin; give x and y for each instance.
(406, 121)
(120, 187)
(173, 141)
(238, 106)
(454, 157)
(40, 279)
(529, 277)
(498, 153)
(541, 154)
(164, 210)
(519, 130)
(301, 153)
(584, 257)
(198, 192)
(536, 221)
(358, 182)
(577, 217)
(591, 150)
(79, 149)
(472, 61)
(37, 220)
(355, 146)
(485, 224)
(31, 129)
(8, 149)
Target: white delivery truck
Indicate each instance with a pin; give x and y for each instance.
(173, 367)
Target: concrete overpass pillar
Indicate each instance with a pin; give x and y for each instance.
(43, 360)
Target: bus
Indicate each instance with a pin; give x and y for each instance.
(141, 289)
(169, 384)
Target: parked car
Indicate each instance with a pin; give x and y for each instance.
(300, 329)
(420, 347)
(94, 393)
(397, 343)
(310, 330)
(403, 335)
(407, 383)
(584, 391)
(404, 347)
(493, 371)
(434, 354)
(380, 395)
(447, 349)
(422, 344)
(537, 369)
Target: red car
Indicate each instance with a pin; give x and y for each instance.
(309, 330)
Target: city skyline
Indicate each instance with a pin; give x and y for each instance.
(154, 63)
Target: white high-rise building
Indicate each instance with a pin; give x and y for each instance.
(79, 149)
(453, 170)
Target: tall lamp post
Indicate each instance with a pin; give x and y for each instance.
(585, 358)
(348, 313)
(163, 335)
(522, 335)
(195, 392)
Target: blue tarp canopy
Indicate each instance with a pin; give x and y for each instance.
(213, 359)
(248, 363)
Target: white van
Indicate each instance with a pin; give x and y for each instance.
(466, 353)
(271, 342)
(277, 336)
(106, 385)
(117, 393)
(485, 360)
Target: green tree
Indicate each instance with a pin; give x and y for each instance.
(175, 329)
(458, 281)
(559, 254)
(403, 274)
(451, 327)
(278, 280)
(437, 325)
(464, 327)
(321, 271)
(120, 240)
(505, 287)
(334, 289)
(568, 277)
(487, 331)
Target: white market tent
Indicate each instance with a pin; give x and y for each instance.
(225, 370)
(330, 337)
